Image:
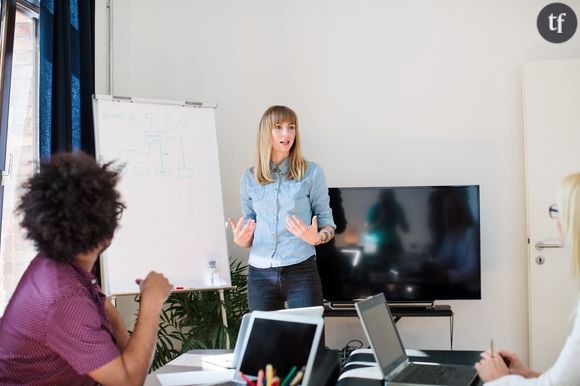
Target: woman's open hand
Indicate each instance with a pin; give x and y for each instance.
(243, 233)
(307, 233)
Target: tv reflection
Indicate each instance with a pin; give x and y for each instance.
(435, 255)
(383, 219)
(453, 261)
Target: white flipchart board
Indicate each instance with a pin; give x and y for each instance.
(174, 221)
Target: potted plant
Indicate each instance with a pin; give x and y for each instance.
(195, 320)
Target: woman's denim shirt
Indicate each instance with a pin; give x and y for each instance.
(273, 244)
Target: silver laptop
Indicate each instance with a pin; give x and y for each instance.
(230, 361)
(388, 350)
(284, 340)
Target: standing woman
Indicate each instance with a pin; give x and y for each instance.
(505, 367)
(285, 213)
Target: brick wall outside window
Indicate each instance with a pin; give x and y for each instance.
(15, 251)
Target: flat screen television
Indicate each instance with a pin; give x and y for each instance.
(414, 244)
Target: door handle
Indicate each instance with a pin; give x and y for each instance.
(541, 245)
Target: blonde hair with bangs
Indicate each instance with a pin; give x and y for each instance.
(569, 206)
(296, 164)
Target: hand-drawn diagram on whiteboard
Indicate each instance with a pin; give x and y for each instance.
(174, 222)
(158, 147)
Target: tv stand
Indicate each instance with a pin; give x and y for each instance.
(414, 308)
(398, 311)
(339, 306)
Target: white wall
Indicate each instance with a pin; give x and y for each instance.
(388, 93)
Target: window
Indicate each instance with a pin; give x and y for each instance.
(21, 150)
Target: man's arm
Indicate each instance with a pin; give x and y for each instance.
(130, 368)
(119, 328)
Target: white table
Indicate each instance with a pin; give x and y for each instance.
(191, 361)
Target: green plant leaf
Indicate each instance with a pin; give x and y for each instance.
(193, 320)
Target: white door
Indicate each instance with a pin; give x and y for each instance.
(552, 132)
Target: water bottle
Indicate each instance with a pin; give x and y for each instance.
(214, 277)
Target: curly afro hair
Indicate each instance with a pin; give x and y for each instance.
(71, 205)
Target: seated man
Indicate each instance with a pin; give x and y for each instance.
(59, 328)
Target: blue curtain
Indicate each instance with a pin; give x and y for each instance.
(66, 76)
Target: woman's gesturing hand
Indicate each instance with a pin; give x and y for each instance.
(308, 233)
(243, 233)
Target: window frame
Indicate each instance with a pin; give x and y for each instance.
(10, 9)
(7, 33)
(7, 26)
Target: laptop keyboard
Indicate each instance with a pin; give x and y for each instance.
(436, 375)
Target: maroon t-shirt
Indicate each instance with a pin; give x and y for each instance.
(55, 330)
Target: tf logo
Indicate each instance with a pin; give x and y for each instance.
(557, 22)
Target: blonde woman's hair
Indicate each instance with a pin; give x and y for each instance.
(569, 206)
(296, 164)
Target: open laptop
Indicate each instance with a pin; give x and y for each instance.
(284, 340)
(390, 355)
(230, 361)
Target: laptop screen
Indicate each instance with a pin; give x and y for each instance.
(381, 332)
(282, 340)
(279, 343)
